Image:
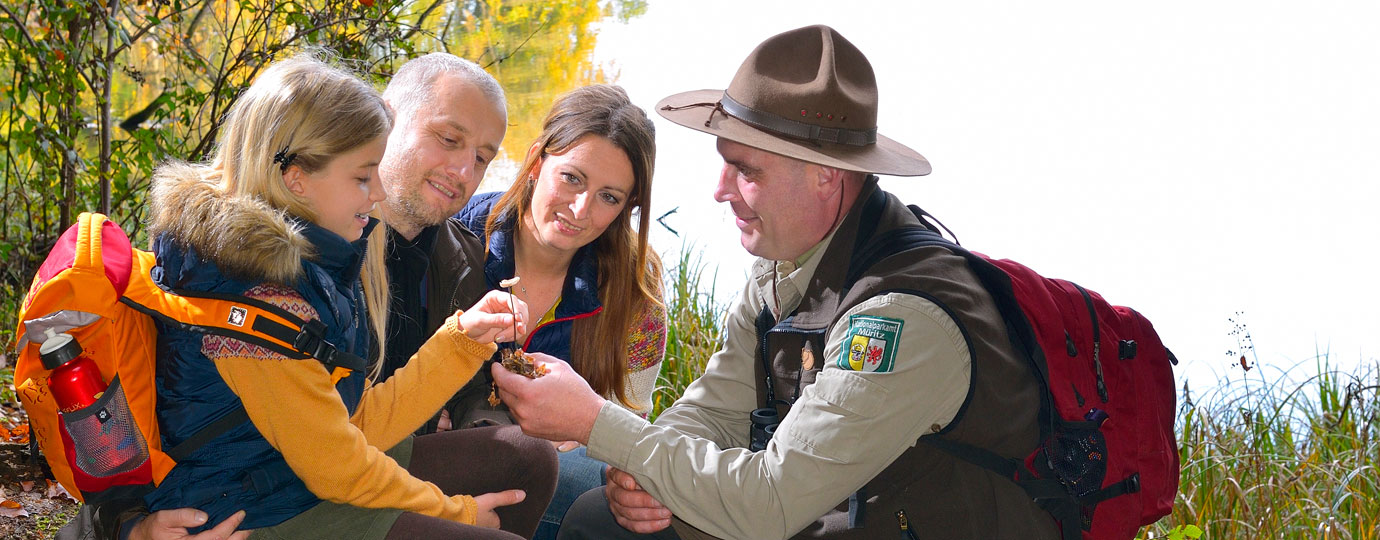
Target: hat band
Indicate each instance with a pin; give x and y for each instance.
(799, 130)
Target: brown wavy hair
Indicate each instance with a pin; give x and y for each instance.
(629, 272)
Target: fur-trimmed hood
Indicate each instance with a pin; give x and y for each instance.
(243, 236)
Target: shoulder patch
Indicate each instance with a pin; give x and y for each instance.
(871, 344)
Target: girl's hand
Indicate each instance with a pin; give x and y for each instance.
(498, 316)
(490, 501)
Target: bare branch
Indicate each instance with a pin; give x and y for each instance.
(19, 23)
(421, 19)
(144, 30)
(518, 48)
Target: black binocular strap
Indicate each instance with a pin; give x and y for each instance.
(765, 322)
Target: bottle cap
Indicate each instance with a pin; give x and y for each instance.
(58, 349)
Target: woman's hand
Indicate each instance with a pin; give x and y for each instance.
(490, 501)
(498, 316)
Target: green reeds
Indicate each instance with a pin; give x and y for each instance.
(1288, 454)
(694, 325)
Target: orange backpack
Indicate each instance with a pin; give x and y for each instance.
(97, 288)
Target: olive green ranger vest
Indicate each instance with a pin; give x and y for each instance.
(942, 496)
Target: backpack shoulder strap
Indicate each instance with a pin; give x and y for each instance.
(994, 280)
(246, 319)
(875, 247)
(1048, 493)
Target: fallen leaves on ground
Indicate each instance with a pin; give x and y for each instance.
(9, 508)
(16, 434)
(56, 491)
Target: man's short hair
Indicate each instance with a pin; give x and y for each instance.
(411, 86)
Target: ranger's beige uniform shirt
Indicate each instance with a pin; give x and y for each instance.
(844, 429)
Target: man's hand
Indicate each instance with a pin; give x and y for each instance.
(558, 406)
(489, 501)
(634, 509)
(173, 525)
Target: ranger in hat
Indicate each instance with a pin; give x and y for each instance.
(808, 423)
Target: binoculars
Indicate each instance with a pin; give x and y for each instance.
(764, 422)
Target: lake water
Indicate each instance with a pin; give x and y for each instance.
(1208, 164)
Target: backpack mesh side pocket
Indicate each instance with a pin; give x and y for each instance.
(105, 438)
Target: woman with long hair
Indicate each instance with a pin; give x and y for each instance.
(565, 229)
(282, 214)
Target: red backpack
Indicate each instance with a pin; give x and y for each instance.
(1108, 462)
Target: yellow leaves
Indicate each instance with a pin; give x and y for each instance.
(536, 50)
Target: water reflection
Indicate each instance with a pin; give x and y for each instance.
(537, 51)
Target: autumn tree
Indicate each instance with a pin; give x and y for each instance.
(96, 93)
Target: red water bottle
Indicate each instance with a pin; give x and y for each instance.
(76, 380)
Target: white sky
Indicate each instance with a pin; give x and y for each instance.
(1188, 159)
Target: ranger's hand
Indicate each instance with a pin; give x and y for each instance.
(558, 406)
(634, 509)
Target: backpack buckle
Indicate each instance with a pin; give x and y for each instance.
(311, 340)
(1126, 349)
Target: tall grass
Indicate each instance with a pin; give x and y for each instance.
(1281, 455)
(1266, 454)
(694, 328)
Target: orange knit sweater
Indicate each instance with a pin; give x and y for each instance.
(340, 456)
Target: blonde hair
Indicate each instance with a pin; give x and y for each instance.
(314, 111)
(629, 272)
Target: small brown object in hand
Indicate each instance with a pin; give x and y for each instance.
(517, 361)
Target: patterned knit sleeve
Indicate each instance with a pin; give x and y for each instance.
(646, 349)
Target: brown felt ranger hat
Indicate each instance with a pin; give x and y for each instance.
(808, 94)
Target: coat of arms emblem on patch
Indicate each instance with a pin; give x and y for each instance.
(871, 344)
